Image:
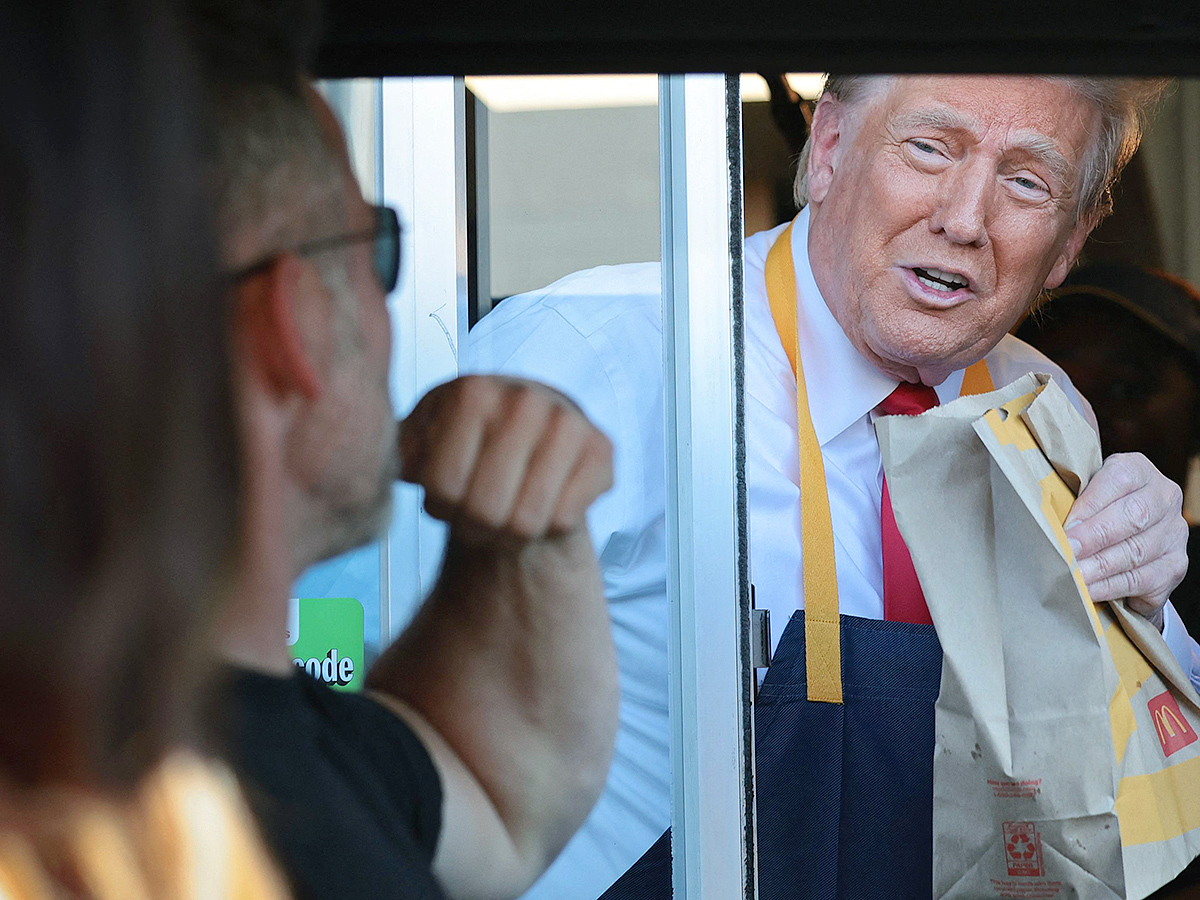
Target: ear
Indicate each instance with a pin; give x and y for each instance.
(269, 338)
(1070, 253)
(826, 137)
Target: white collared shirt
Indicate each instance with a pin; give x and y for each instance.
(597, 337)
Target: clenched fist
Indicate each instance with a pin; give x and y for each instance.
(504, 455)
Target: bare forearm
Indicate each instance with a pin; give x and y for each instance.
(511, 661)
(508, 673)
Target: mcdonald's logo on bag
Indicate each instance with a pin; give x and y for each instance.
(1174, 733)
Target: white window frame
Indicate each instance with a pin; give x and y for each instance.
(423, 130)
(711, 726)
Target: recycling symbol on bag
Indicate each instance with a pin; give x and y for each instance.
(1023, 848)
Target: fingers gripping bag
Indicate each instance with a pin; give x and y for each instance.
(1066, 759)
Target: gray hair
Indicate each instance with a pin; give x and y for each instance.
(279, 181)
(1125, 105)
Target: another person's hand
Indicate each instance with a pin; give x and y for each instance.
(499, 455)
(1129, 535)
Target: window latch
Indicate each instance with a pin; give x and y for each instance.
(760, 638)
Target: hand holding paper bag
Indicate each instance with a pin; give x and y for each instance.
(1129, 535)
(1066, 761)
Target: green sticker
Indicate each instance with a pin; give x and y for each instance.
(325, 635)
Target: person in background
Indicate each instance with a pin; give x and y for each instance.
(487, 728)
(1129, 338)
(118, 467)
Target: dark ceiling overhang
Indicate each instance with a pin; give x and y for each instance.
(460, 37)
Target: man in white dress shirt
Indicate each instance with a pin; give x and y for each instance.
(935, 212)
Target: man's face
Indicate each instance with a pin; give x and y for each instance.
(941, 206)
(349, 437)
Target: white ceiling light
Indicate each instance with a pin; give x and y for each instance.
(518, 93)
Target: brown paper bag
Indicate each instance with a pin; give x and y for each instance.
(1066, 759)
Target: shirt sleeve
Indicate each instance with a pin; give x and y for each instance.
(340, 772)
(384, 759)
(1182, 645)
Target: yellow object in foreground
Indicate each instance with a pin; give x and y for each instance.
(186, 835)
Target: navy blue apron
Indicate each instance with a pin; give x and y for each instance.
(845, 791)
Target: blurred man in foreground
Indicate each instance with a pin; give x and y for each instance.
(118, 466)
(487, 728)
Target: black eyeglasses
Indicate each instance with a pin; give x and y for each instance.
(386, 256)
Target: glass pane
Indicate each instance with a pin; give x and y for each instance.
(571, 175)
(555, 185)
(773, 136)
(335, 612)
(571, 170)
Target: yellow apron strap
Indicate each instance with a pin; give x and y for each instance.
(977, 380)
(822, 628)
(822, 623)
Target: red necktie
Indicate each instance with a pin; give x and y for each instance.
(903, 599)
